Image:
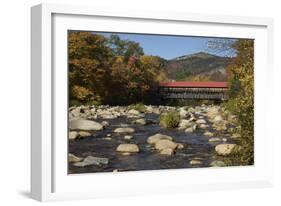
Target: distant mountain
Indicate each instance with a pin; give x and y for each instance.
(200, 64)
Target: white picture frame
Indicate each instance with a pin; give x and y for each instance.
(49, 178)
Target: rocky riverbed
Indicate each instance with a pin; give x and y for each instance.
(112, 139)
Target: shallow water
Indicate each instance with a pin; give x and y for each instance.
(196, 146)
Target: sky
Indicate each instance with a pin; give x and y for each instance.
(169, 47)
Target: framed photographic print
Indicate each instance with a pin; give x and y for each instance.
(138, 102)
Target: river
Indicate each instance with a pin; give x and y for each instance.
(196, 146)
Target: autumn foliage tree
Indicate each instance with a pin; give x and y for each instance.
(89, 63)
(110, 70)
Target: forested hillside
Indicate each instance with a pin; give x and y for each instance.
(198, 67)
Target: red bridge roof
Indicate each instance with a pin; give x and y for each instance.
(195, 84)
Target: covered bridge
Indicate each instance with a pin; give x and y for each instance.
(193, 90)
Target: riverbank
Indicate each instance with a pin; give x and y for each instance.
(119, 138)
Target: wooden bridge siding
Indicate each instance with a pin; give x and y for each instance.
(193, 93)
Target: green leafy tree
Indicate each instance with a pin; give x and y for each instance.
(124, 48)
(241, 92)
(242, 84)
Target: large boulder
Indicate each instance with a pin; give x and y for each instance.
(72, 158)
(191, 129)
(90, 160)
(141, 121)
(227, 149)
(124, 130)
(72, 135)
(84, 134)
(208, 133)
(184, 123)
(183, 113)
(127, 148)
(167, 151)
(133, 112)
(149, 109)
(164, 144)
(75, 112)
(107, 115)
(81, 124)
(105, 123)
(152, 109)
(155, 138)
